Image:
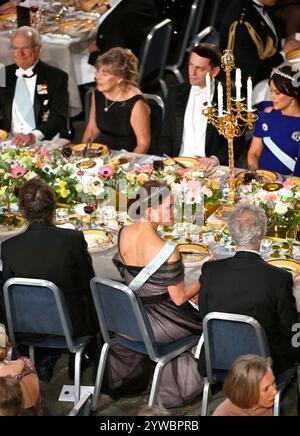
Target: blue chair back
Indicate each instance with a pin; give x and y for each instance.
(157, 107)
(36, 307)
(154, 53)
(121, 312)
(208, 35)
(227, 337)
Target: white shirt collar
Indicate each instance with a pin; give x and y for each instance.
(28, 72)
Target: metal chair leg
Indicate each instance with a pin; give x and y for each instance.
(100, 373)
(206, 390)
(77, 376)
(155, 383)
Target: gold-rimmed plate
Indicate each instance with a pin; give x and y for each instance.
(288, 264)
(3, 135)
(294, 55)
(187, 162)
(86, 164)
(99, 240)
(77, 27)
(95, 149)
(11, 220)
(11, 16)
(265, 176)
(194, 254)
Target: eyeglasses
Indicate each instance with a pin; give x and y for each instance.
(25, 49)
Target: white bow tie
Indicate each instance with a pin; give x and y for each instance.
(20, 72)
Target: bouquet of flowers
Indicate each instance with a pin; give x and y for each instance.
(280, 201)
(17, 165)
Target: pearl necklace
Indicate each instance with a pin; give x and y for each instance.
(107, 107)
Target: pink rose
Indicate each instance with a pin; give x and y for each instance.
(144, 168)
(18, 171)
(271, 198)
(106, 171)
(181, 173)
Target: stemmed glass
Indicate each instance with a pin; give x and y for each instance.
(291, 235)
(89, 209)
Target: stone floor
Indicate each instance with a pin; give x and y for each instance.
(132, 406)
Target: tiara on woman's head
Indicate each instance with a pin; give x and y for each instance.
(277, 71)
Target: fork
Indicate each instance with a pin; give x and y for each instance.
(88, 145)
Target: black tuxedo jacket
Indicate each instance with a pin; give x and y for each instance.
(50, 109)
(247, 285)
(172, 132)
(246, 52)
(127, 26)
(61, 256)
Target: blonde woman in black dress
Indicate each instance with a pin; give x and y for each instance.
(119, 115)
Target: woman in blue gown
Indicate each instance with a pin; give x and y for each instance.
(276, 142)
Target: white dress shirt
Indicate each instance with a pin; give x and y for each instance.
(18, 124)
(195, 124)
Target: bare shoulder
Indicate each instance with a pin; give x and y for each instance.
(175, 256)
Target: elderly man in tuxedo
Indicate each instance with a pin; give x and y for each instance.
(247, 285)
(126, 24)
(34, 100)
(250, 30)
(186, 131)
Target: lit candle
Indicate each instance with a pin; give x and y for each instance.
(220, 99)
(249, 95)
(238, 83)
(208, 89)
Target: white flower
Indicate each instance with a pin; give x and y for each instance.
(284, 192)
(281, 208)
(30, 175)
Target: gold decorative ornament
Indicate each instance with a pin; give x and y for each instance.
(233, 122)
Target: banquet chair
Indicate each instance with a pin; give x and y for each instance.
(191, 28)
(208, 35)
(123, 320)
(154, 54)
(228, 336)
(37, 316)
(157, 114)
(83, 406)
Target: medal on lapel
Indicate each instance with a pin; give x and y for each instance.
(42, 89)
(45, 116)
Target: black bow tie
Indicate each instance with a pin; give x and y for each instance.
(28, 77)
(263, 7)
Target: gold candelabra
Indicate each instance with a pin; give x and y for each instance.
(232, 122)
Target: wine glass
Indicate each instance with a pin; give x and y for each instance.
(34, 14)
(89, 209)
(66, 151)
(291, 235)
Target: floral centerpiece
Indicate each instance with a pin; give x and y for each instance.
(106, 178)
(281, 202)
(17, 165)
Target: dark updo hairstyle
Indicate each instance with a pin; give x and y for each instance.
(121, 62)
(37, 201)
(289, 85)
(150, 195)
